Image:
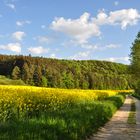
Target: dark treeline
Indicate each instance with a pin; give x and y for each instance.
(48, 72)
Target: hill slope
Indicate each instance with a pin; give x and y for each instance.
(86, 74)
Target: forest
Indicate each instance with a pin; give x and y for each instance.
(79, 74)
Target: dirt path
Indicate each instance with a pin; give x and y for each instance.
(137, 102)
(118, 128)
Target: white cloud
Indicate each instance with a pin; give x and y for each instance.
(53, 55)
(85, 27)
(116, 3)
(80, 55)
(19, 35)
(80, 29)
(22, 23)
(14, 47)
(118, 59)
(90, 46)
(102, 18)
(112, 46)
(12, 6)
(99, 47)
(38, 50)
(122, 17)
(43, 39)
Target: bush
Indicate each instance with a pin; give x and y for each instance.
(137, 95)
(117, 100)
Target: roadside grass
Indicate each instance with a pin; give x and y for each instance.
(132, 114)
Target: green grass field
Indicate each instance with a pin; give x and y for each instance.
(6, 81)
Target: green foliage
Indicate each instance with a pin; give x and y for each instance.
(44, 81)
(37, 76)
(87, 74)
(136, 95)
(117, 100)
(26, 73)
(67, 80)
(135, 62)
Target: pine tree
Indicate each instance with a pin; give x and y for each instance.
(37, 76)
(25, 73)
(16, 73)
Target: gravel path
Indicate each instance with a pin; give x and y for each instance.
(118, 128)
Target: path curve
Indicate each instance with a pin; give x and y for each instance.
(117, 128)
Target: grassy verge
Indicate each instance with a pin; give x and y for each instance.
(132, 114)
(74, 123)
(136, 95)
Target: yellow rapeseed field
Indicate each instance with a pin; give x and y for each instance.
(52, 113)
(29, 98)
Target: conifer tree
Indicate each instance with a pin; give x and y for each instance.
(16, 73)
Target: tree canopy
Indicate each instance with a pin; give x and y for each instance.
(84, 74)
(135, 61)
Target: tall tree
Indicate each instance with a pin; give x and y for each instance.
(16, 73)
(37, 76)
(44, 81)
(25, 72)
(135, 61)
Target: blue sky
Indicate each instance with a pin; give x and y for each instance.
(69, 29)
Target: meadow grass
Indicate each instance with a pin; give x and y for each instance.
(132, 114)
(6, 81)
